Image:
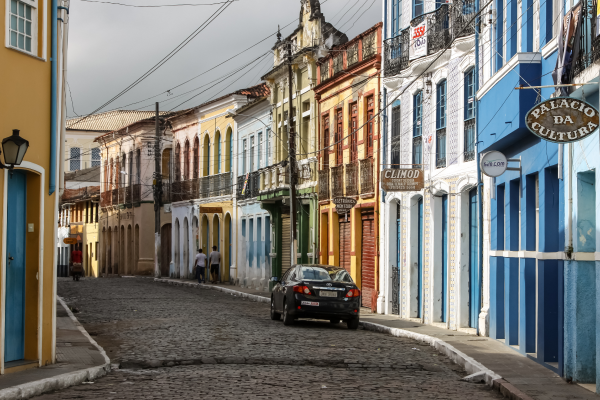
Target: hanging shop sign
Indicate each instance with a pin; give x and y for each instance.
(493, 163)
(70, 240)
(562, 120)
(418, 40)
(343, 205)
(402, 180)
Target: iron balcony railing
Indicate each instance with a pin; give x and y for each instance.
(352, 54)
(469, 154)
(352, 179)
(248, 186)
(324, 184)
(440, 159)
(366, 176)
(447, 22)
(589, 43)
(215, 185)
(337, 181)
(166, 192)
(176, 191)
(137, 193)
(369, 45)
(115, 197)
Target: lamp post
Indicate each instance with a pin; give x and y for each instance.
(14, 148)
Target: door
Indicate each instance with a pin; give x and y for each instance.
(473, 261)
(326, 142)
(367, 274)
(14, 340)
(268, 247)
(165, 251)
(345, 244)
(285, 243)
(370, 125)
(339, 134)
(420, 256)
(444, 256)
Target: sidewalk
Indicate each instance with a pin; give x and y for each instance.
(78, 359)
(515, 376)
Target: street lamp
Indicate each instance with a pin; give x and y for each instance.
(14, 148)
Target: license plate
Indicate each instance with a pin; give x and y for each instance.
(310, 303)
(326, 293)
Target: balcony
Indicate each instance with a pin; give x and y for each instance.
(448, 22)
(352, 179)
(366, 176)
(137, 193)
(324, 184)
(250, 188)
(213, 186)
(337, 181)
(589, 44)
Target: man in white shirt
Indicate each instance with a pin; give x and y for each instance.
(215, 261)
(200, 266)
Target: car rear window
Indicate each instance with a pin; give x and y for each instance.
(315, 273)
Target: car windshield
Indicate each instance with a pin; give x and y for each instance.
(324, 273)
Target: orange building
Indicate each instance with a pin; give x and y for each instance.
(348, 105)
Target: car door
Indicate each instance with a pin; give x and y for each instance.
(279, 290)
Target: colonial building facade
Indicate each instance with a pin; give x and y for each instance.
(349, 138)
(429, 238)
(312, 36)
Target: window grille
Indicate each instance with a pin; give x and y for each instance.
(75, 159)
(325, 71)
(21, 25)
(338, 63)
(352, 54)
(96, 158)
(369, 45)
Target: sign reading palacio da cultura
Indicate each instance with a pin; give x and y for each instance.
(562, 120)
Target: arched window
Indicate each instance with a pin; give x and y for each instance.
(186, 161)
(177, 176)
(195, 156)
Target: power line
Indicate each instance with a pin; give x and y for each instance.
(157, 6)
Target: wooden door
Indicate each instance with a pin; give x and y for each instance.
(339, 134)
(325, 153)
(14, 333)
(370, 125)
(353, 133)
(367, 274)
(345, 243)
(165, 250)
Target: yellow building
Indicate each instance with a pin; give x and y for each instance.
(348, 104)
(32, 101)
(202, 188)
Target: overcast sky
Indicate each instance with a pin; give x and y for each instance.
(110, 46)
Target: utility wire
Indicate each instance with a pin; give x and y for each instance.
(157, 6)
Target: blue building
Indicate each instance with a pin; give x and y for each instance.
(581, 281)
(523, 270)
(252, 223)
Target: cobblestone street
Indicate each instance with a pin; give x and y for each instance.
(179, 342)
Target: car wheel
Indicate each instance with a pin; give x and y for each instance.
(275, 316)
(334, 321)
(352, 323)
(287, 318)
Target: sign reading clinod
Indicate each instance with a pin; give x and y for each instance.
(562, 120)
(343, 205)
(402, 180)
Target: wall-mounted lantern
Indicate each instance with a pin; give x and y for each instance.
(14, 148)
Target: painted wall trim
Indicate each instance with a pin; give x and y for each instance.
(518, 58)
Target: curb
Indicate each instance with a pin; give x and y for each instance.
(470, 365)
(36, 388)
(260, 299)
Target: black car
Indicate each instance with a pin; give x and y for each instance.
(316, 291)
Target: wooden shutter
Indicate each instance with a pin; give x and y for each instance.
(368, 258)
(165, 250)
(285, 243)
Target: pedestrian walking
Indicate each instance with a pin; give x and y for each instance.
(215, 261)
(201, 263)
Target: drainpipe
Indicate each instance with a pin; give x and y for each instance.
(479, 180)
(53, 100)
(378, 258)
(61, 146)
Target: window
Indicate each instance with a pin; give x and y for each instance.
(260, 146)
(252, 154)
(138, 165)
(352, 54)
(339, 144)
(395, 142)
(244, 144)
(369, 46)
(326, 142)
(469, 106)
(75, 159)
(441, 105)
(218, 153)
(417, 127)
(96, 157)
(267, 151)
(338, 63)
(396, 17)
(353, 134)
(23, 25)
(418, 7)
(370, 125)
(325, 71)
